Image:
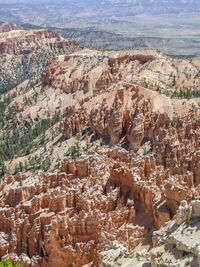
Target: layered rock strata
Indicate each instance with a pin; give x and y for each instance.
(25, 53)
(26, 41)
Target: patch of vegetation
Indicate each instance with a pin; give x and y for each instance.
(180, 94)
(188, 220)
(74, 152)
(8, 263)
(151, 106)
(78, 137)
(173, 80)
(43, 251)
(17, 69)
(20, 141)
(179, 123)
(72, 71)
(152, 144)
(4, 116)
(45, 164)
(172, 123)
(187, 94)
(147, 152)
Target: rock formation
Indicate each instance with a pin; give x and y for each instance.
(71, 214)
(93, 201)
(177, 242)
(9, 26)
(25, 53)
(97, 71)
(174, 244)
(25, 42)
(132, 154)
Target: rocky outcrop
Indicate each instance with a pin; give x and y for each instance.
(108, 122)
(174, 244)
(93, 201)
(119, 256)
(25, 42)
(177, 242)
(9, 26)
(118, 111)
(173, 143)
(100, 197)
(25, 54)
(97, 72)
(91, 70)
(75, 123)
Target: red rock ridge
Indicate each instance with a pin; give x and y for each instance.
(9, 26)
(59, 73)
(25, 42)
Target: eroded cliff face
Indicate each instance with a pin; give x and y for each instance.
(95, 72)
(177, 242)
(69, 216)
(25, 53)
(19, 41)
(9, 26)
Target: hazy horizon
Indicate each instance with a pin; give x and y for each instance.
(174, 19)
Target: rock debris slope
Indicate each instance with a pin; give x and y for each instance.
(129, 147)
